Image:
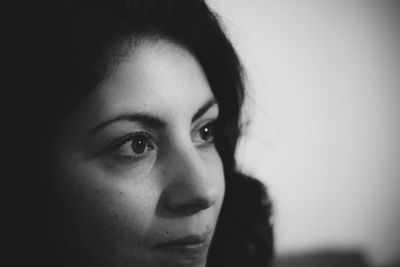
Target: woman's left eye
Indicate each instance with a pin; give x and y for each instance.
(205, 135)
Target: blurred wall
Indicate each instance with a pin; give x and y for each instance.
(324, 106)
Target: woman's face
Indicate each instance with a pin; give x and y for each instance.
(138, 181)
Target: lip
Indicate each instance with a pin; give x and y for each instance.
(190, 247)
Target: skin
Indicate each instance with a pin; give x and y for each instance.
(111, 206)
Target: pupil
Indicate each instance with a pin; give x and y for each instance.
(206, 133)
(139, 144)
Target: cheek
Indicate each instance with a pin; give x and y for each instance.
(215, 169)
(221, 179)
(103, 210)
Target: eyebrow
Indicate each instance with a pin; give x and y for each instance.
(149, 119)
(203, 109)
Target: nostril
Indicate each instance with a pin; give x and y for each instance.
(189, 209)
(186, 200)
(188, 204)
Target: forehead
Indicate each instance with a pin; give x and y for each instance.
(156, 68)
(155, 76)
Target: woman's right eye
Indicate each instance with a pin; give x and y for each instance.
(132, 147)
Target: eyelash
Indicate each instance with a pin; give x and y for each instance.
(116, 148)
(210, 130)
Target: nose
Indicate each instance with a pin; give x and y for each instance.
(190, 187)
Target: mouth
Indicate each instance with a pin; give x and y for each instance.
(190, 247)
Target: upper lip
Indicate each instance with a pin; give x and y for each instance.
(186, 240)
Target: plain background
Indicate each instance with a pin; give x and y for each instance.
(324, 107)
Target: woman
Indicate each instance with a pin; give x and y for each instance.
(135, 108)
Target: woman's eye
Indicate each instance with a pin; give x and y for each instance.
(134, 146)
(139, 144)
(205, 134)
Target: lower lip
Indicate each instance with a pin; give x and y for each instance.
(191, 251)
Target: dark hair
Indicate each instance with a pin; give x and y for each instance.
(69, 49)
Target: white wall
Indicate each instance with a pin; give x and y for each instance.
(324, 81)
